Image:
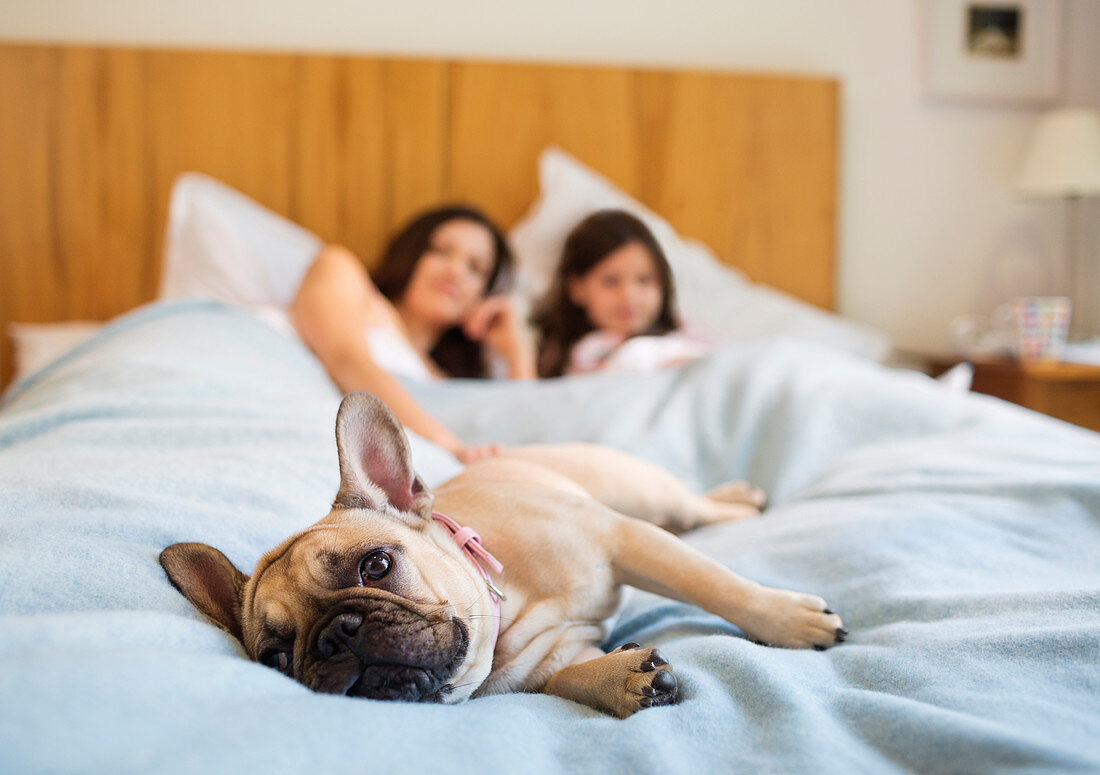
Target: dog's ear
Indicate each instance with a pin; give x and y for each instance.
(375, 461)
(209, 580)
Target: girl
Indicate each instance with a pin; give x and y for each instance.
(611, 306)
(427, 313)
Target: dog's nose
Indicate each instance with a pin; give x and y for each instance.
(335, 635)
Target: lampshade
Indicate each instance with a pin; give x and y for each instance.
(1063, 159)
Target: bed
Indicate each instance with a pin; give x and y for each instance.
(957, 535)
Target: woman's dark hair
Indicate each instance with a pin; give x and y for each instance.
(560, 322)
(456, 354)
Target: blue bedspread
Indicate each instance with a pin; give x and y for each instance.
(958, 536)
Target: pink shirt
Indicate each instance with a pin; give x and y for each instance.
(601, 351)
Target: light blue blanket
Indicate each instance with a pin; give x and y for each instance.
(958, 536)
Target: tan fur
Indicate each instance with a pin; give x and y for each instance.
(564, 521)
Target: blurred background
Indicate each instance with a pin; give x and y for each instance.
(928, 224)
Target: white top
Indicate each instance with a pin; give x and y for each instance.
(613, 354)
(392, 351)
(389, 346)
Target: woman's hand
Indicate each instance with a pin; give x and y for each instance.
(496, 324)
(463, 453)
(467, 455)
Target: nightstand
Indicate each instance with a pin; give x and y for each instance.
(1068, 391)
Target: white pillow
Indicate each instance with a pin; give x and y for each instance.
(37, 344)
(713, 297)
(222, 245)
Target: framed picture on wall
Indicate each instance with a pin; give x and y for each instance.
(998, 50)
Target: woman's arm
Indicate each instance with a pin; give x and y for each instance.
(331, 311)
(521, 358)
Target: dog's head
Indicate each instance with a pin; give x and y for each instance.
(370, 601)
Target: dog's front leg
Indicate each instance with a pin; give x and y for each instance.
(623, 682)
(649, 558)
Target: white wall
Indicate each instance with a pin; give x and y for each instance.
(929, 228)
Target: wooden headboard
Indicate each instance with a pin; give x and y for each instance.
(92, 138)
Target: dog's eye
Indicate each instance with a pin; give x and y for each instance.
(280, 660)
(375, 565)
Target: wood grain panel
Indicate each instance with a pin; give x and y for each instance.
(102, 186)
(339, 151)
(744, 163)
(230, 116)
(705, 152)
(369, 147)
(26, 218)
(28, 234)
(416, 139)
(747, 165)
(502, 116)
(800, 122)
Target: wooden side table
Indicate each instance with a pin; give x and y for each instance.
(1068, 391)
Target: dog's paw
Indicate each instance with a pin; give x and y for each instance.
(739, 492)
(644, 680)
(730, 501)
(793, 620)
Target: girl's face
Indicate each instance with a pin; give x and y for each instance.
(452, 275)
(621, 294)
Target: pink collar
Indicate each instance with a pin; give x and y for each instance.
(470, 543)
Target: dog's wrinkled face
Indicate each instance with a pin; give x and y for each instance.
(361, 606)
(367, 602)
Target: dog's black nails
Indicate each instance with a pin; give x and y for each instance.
(841, 631)
(645, 702)
(629, 646)
(664, 681)
(657, 658)
(649, 691)
(647, 667)
(840, 638)
(828, 611)
(819, 647)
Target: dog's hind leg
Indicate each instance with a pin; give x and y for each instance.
(651, 559)
(741, 493)
(638, 488)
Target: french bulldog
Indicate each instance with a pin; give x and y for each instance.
(499, 581)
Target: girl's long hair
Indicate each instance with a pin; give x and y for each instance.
(559, 321)
(456, 354)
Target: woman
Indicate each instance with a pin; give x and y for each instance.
(428, 313)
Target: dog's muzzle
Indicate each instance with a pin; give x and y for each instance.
(383, 650)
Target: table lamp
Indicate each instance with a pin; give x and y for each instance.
(1063, 161)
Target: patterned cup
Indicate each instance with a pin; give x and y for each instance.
(1041, 324)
